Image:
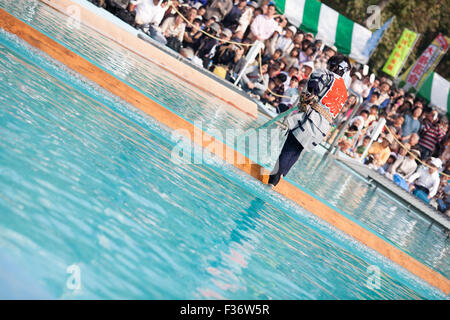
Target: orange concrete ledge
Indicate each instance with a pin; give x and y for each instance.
(157, 56)
(132, 96)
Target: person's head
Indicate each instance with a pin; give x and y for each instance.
(350, 100)
(293, 71)
(305, 44)
(310, 49)
(352, 130)
(178, 19)
(309, 36)
(339, 64)
(257, 12)
(196, 24)
(357, 123)
(302, 85)
(290, 32)
(435, 164)
(192, 14)
(387, 140)
(417, 112)
(414, 154)
(226, 34)
(294, 53)
(242, 4)
(385, 87)
(373, 110)
(164, 3)
(215, 29)
(274, 69)
(271, 10)
(374, 97)
(432, 116)
(277, 54)
(418, 103)
(364, 114)
(293, 83)
(366, 141)
(414, 139)
(201, 11)
(280, 79)
(307, 69)
(399, 121)
(376, 83)
(264, 67)
(399, 101)
(298, 38)
(443, 124)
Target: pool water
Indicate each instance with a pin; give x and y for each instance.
(87, 183)
(325, 179)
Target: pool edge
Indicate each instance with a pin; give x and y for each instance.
(173, 121)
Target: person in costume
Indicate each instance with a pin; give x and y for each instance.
(320, 103)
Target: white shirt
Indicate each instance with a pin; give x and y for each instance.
(148, 12)
(426, 180)
(263, 27)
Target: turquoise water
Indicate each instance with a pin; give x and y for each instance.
(324, 178)
(87, 181)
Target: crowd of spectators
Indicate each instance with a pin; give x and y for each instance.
(290, 56)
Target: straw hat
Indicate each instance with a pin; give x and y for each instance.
(389, 138)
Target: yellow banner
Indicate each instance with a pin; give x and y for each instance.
(427, 62)
(400, 53)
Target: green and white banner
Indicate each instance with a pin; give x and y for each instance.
(436, 90)
(328, 25)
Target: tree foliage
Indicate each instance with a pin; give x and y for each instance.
(425, 17)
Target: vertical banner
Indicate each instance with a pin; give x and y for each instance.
(400, 53)
(420, 70)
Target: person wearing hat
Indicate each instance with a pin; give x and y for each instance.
(379, 152)
(307, 69)
(320, 103)
(207, 44)
(219, 8)
(426, 180)
(284, 42)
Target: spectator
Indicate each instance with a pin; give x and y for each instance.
(370, 102)
(359, 151)
(148, 12)
(207, 44)
(264, 25)
(246, 17)
(283, 42)
(253, 82)
(379, 152)
(173, 30)
(347, 141)
(426, 180)
(396, 126)
(218, 8)
(231, 20)
(290, 95)
(432, 134)
(276, 87)
(411, 124)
